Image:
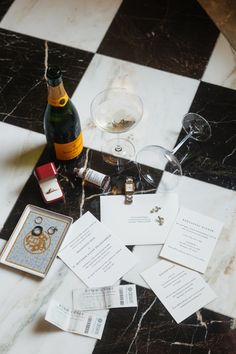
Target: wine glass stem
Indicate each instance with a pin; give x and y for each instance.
(182, 142)
(118, 147)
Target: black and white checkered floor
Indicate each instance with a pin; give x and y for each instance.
(172, 55)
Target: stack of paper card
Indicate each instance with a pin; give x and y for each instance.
(89, 323)
(90, 309)
(190, 243)
(146, 221)
(192, 239)
(105, 297)
(94, 254)
(181, 290)
(188, 240)
(99, 259)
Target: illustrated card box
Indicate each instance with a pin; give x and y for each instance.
(36, 240)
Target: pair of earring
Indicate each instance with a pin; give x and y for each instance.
(160, 220)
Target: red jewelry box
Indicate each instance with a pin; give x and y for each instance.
(50, 188)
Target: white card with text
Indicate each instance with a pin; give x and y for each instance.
(192, 239)
(94, 254)
(89, 324)
(105, 297)
(146, 221)
(181, 290)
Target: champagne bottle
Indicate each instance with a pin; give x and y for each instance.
(61, 121)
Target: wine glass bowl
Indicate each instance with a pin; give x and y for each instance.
(116, 111)
(159, 167)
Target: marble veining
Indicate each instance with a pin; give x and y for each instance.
(27, 311)
(171, 54)
(162, 35)
(76, 195)
(150, 329)
(214, 160)
(17, 160)
(78, 24)
(22, 84)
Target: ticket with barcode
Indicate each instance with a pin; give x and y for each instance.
(89, 324)
(105, 297)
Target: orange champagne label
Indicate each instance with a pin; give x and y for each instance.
(58, 102)
(70, 150)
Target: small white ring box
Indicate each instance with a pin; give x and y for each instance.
(46, 176)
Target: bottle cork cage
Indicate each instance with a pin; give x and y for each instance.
(36, 240)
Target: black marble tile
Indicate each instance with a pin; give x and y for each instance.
(175, 36)
(214, 161)
(150, 329)
(72, 187)
(5, 4)
(22, 85)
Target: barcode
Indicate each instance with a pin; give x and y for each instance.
(122, 300)
(88, 325)
(98, 326)
(130, 295)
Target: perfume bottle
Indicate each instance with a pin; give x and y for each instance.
(94, 178)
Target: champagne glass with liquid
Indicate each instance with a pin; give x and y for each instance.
(116, 111)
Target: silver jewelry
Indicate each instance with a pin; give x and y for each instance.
(160, 220)
(155, 209)
(38, 220)
(51, 230)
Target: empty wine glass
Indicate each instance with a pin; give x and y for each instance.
(116, 111)
(159, 166)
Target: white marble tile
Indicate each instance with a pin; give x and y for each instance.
(76, 23)
(166, 98)
(25, 298)
(215, 202)
(221, 69)
(20, 152)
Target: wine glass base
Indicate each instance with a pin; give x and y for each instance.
(196, 125)
(118, 152)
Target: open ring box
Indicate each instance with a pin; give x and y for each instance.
(50, 188)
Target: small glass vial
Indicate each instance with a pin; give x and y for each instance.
(94, 178)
